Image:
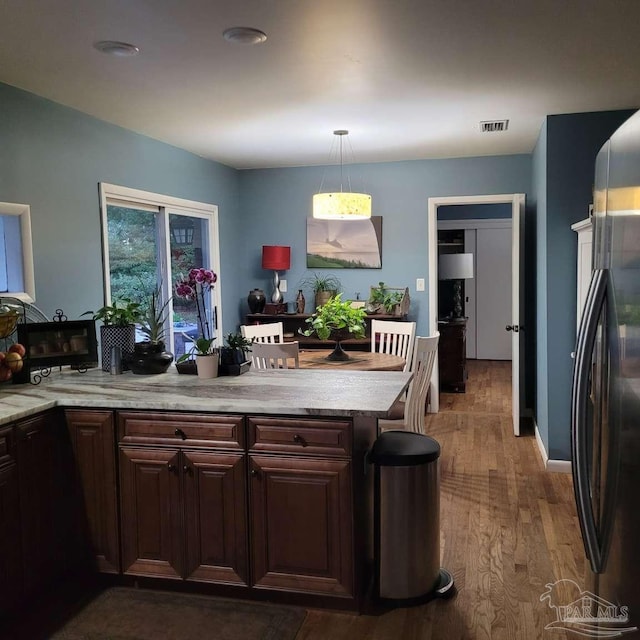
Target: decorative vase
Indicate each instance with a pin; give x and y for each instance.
(150, 358)
(116, 336)
(207, 365)
(256, 300)
(339, 354)
(300, 302)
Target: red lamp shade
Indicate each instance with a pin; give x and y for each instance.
(276, 258)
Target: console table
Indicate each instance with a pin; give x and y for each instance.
(292, 322)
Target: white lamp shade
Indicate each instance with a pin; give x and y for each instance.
(341, 206)
(455, 266)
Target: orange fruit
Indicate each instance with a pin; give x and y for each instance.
(13, 361)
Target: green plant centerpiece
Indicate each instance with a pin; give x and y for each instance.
(150, 355)
(382, 298)
(336, 320)
(235, 350)
(324, 286)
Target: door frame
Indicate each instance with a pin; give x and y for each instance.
(516, 200)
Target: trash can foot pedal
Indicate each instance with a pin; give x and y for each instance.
(445, 588)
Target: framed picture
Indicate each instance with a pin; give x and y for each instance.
(52, 344)
(344, 244)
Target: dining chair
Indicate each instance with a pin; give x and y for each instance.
(266, 355)
(267, 332)
(394, 337)
(424, 355)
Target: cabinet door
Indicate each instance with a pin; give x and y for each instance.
(10, 549)
(93, 442)
(150, 508)
(302, 530)
(44, 488)
(214, 496)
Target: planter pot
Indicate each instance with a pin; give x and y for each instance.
(113, 336)
(229, 356)
(322, 297)
(208, 366)
(150, 358)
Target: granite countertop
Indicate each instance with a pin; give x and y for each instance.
(282, 392)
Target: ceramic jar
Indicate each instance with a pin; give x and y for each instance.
(256, 300)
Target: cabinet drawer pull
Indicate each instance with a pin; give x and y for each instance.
(181, 433)
(300, 440)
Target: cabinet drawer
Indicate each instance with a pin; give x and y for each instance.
(175, 429)
(290, 435)
(7, 452)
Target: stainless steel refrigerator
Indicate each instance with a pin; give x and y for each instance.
(606, 392)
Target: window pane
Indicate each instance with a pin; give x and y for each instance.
(133, 252)
(189, 242)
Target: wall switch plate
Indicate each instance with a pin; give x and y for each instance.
(420, 284)
(283, 286)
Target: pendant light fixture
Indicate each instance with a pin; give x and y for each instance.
(341, 205)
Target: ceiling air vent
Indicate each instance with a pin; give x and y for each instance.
(491, 126)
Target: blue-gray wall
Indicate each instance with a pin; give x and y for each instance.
(276, 204)
(53, 157)
(563, 176)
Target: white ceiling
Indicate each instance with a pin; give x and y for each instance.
(409, 78)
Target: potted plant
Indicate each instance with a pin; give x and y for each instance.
(336, 320)
(234, 355)
(197, 287)
(382, 297)
(150, 355)
(323, 286)
(118, 329)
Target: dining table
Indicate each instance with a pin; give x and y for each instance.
(358, 361)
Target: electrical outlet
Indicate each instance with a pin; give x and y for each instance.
(420, 284)
(283, 286)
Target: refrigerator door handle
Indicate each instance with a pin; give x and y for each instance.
(579, 398)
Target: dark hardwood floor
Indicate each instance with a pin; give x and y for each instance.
(508, 527)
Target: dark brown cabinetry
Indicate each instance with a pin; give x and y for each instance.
(300, 502)
(292, 322)
(95, 489)
(183, 501)
(452, 358)
(44, 481)
(10, 547)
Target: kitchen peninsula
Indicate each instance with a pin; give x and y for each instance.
(255, 486)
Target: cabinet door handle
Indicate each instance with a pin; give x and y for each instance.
(254, 473)
(181, 433)
(172, 468)
(300, 440)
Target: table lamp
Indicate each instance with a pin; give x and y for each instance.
(279, 259)
(458, 267)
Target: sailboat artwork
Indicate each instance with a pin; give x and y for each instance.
(344, 244)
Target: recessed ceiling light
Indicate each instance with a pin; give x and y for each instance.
(113, 48)
(244, 35)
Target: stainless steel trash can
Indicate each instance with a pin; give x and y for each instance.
(407, 518)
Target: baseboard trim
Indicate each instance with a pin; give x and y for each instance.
(554, 466)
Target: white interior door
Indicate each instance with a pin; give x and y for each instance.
(517, 316)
